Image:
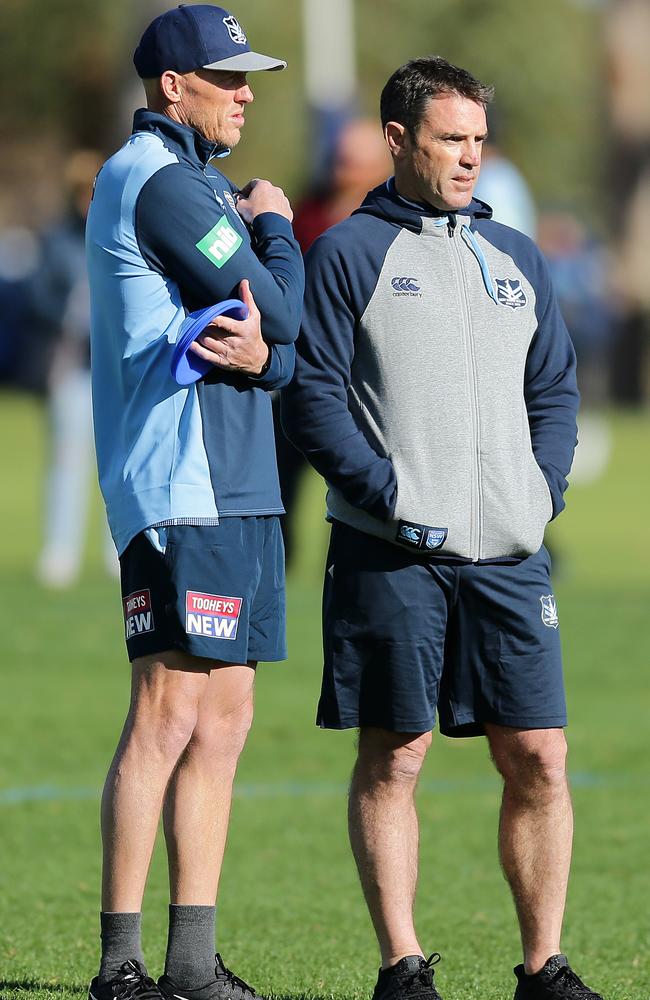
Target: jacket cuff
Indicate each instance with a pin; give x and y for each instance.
(270, 373)
(271, 224)
(380, 504)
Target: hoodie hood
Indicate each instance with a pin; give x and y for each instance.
(387, 204)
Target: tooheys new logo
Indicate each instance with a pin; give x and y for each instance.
(138, 616)
(220, 243)
(212, 615)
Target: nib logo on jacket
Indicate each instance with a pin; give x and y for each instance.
(212, 615)
(220, 243)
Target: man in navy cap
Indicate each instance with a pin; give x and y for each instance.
(189, 478)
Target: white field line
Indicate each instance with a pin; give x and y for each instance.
(318, 789)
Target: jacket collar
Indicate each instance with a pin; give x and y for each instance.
(183, 139)
(385, 202)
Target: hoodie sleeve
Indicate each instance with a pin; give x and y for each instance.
(280, 371)
(551, 391)
(186, 236)
(315, 411)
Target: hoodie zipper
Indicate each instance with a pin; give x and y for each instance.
(476, 539)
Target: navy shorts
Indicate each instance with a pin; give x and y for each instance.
(403, 636)
(216, 592)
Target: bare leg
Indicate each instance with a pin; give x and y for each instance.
(197, 804)
(384, 834)
(535, 833)
(165, 695)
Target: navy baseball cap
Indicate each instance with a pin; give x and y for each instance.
(197, 36)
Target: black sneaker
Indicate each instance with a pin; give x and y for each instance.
(225, 986)
(130, 983)
(556, 980)
(411, 978)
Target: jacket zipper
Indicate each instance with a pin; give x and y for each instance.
(476, 539)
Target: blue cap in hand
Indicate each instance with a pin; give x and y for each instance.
(187, 367)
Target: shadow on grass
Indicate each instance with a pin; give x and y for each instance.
(299, 996)
(31, 986)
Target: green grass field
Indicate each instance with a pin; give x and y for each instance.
(290, 917)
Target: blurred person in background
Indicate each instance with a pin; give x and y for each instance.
(359, 162)
(435, 392)
(19, 260)
(627, 35)
(581, 267)
(60, 310)
(503, 187)
(189, 477)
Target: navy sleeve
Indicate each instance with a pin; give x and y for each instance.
(551, 391)
(52, 283)
(206, 249)
(315, 412)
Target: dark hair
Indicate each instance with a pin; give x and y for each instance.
(405, 97)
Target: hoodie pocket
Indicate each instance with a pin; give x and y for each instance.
(516, 506)
(436, 492)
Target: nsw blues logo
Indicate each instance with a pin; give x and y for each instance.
(235, 30)
(421, 536)
(510, 293)
(435, 538)
(549, 611)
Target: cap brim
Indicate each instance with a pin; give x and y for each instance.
(248, 62)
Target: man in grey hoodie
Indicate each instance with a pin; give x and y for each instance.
(435, 391)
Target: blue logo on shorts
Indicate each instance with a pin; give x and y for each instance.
(549, 611)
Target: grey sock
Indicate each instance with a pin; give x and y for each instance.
(120, 942)
(190, 945)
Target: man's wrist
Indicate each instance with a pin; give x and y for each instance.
(265, 366)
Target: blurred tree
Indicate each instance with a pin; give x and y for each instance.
(57, 61)
(544, 60)
(65, 65)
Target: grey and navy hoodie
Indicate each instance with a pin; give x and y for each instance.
(164, 238)
(435, 379)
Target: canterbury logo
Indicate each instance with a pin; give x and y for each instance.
(405, 285)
